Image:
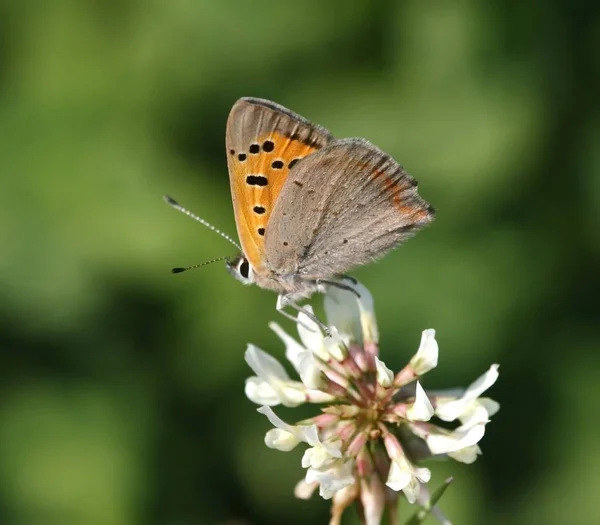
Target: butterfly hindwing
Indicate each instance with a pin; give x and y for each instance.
(340, 208)
(264, 141)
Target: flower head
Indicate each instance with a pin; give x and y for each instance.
(375, 426)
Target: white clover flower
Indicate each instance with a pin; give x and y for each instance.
(365, 442)
(470, 409)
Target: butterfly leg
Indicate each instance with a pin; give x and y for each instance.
(328, 333)
(280, 307)
(340, 285)
(284, 300)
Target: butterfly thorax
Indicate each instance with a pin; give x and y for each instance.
(291, 284)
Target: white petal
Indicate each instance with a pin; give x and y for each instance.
(332, 479)
(342, 311)
(421, 410)
(352, 315)
(294, 351)
(468, 408)
(406, 477)
(333, 448)
(426, 357)
(466, 455)
(276, 421)
(281, 440)
(449, 410)
(309, 371)
(482, 383)
(307, 458)
(282, 389)
(455, 441)
(368, 320)
(317, 396)
(490, 405)
(264, 365)
(336, 345)
(304, 490)
(313, 475)
(260, 392)
(321, 452)
(329, 488)
(384, 375)
(292, 395)
(311, 435)
(310, 333)
(474, 415)
(469, 411)
(289, 394)
(423, 474)
(411, 491)
(398, 477)
(299, 431)
(316, 457)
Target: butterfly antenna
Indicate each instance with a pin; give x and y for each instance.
(174, 204)
(180, 270)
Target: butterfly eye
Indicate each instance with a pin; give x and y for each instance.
(244, 269)
(240, 269)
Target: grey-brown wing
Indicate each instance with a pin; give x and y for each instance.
(342, 207)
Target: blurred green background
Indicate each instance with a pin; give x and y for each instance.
(122, 386)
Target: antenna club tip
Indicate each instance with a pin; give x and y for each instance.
(170, 200)
(177, 270)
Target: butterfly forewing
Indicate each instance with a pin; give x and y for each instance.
(342, 207)
(264, 141)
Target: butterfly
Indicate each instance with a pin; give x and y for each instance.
(309, 207)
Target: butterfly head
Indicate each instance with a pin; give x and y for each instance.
(240, 269)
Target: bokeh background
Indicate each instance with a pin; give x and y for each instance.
(121, 388)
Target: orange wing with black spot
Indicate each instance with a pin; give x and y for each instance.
(264, 141)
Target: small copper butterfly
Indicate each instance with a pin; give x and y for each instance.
(309, 207)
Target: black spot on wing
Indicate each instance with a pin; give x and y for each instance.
(257, 180)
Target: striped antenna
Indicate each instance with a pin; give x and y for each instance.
(180, 270)
(174, 204)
